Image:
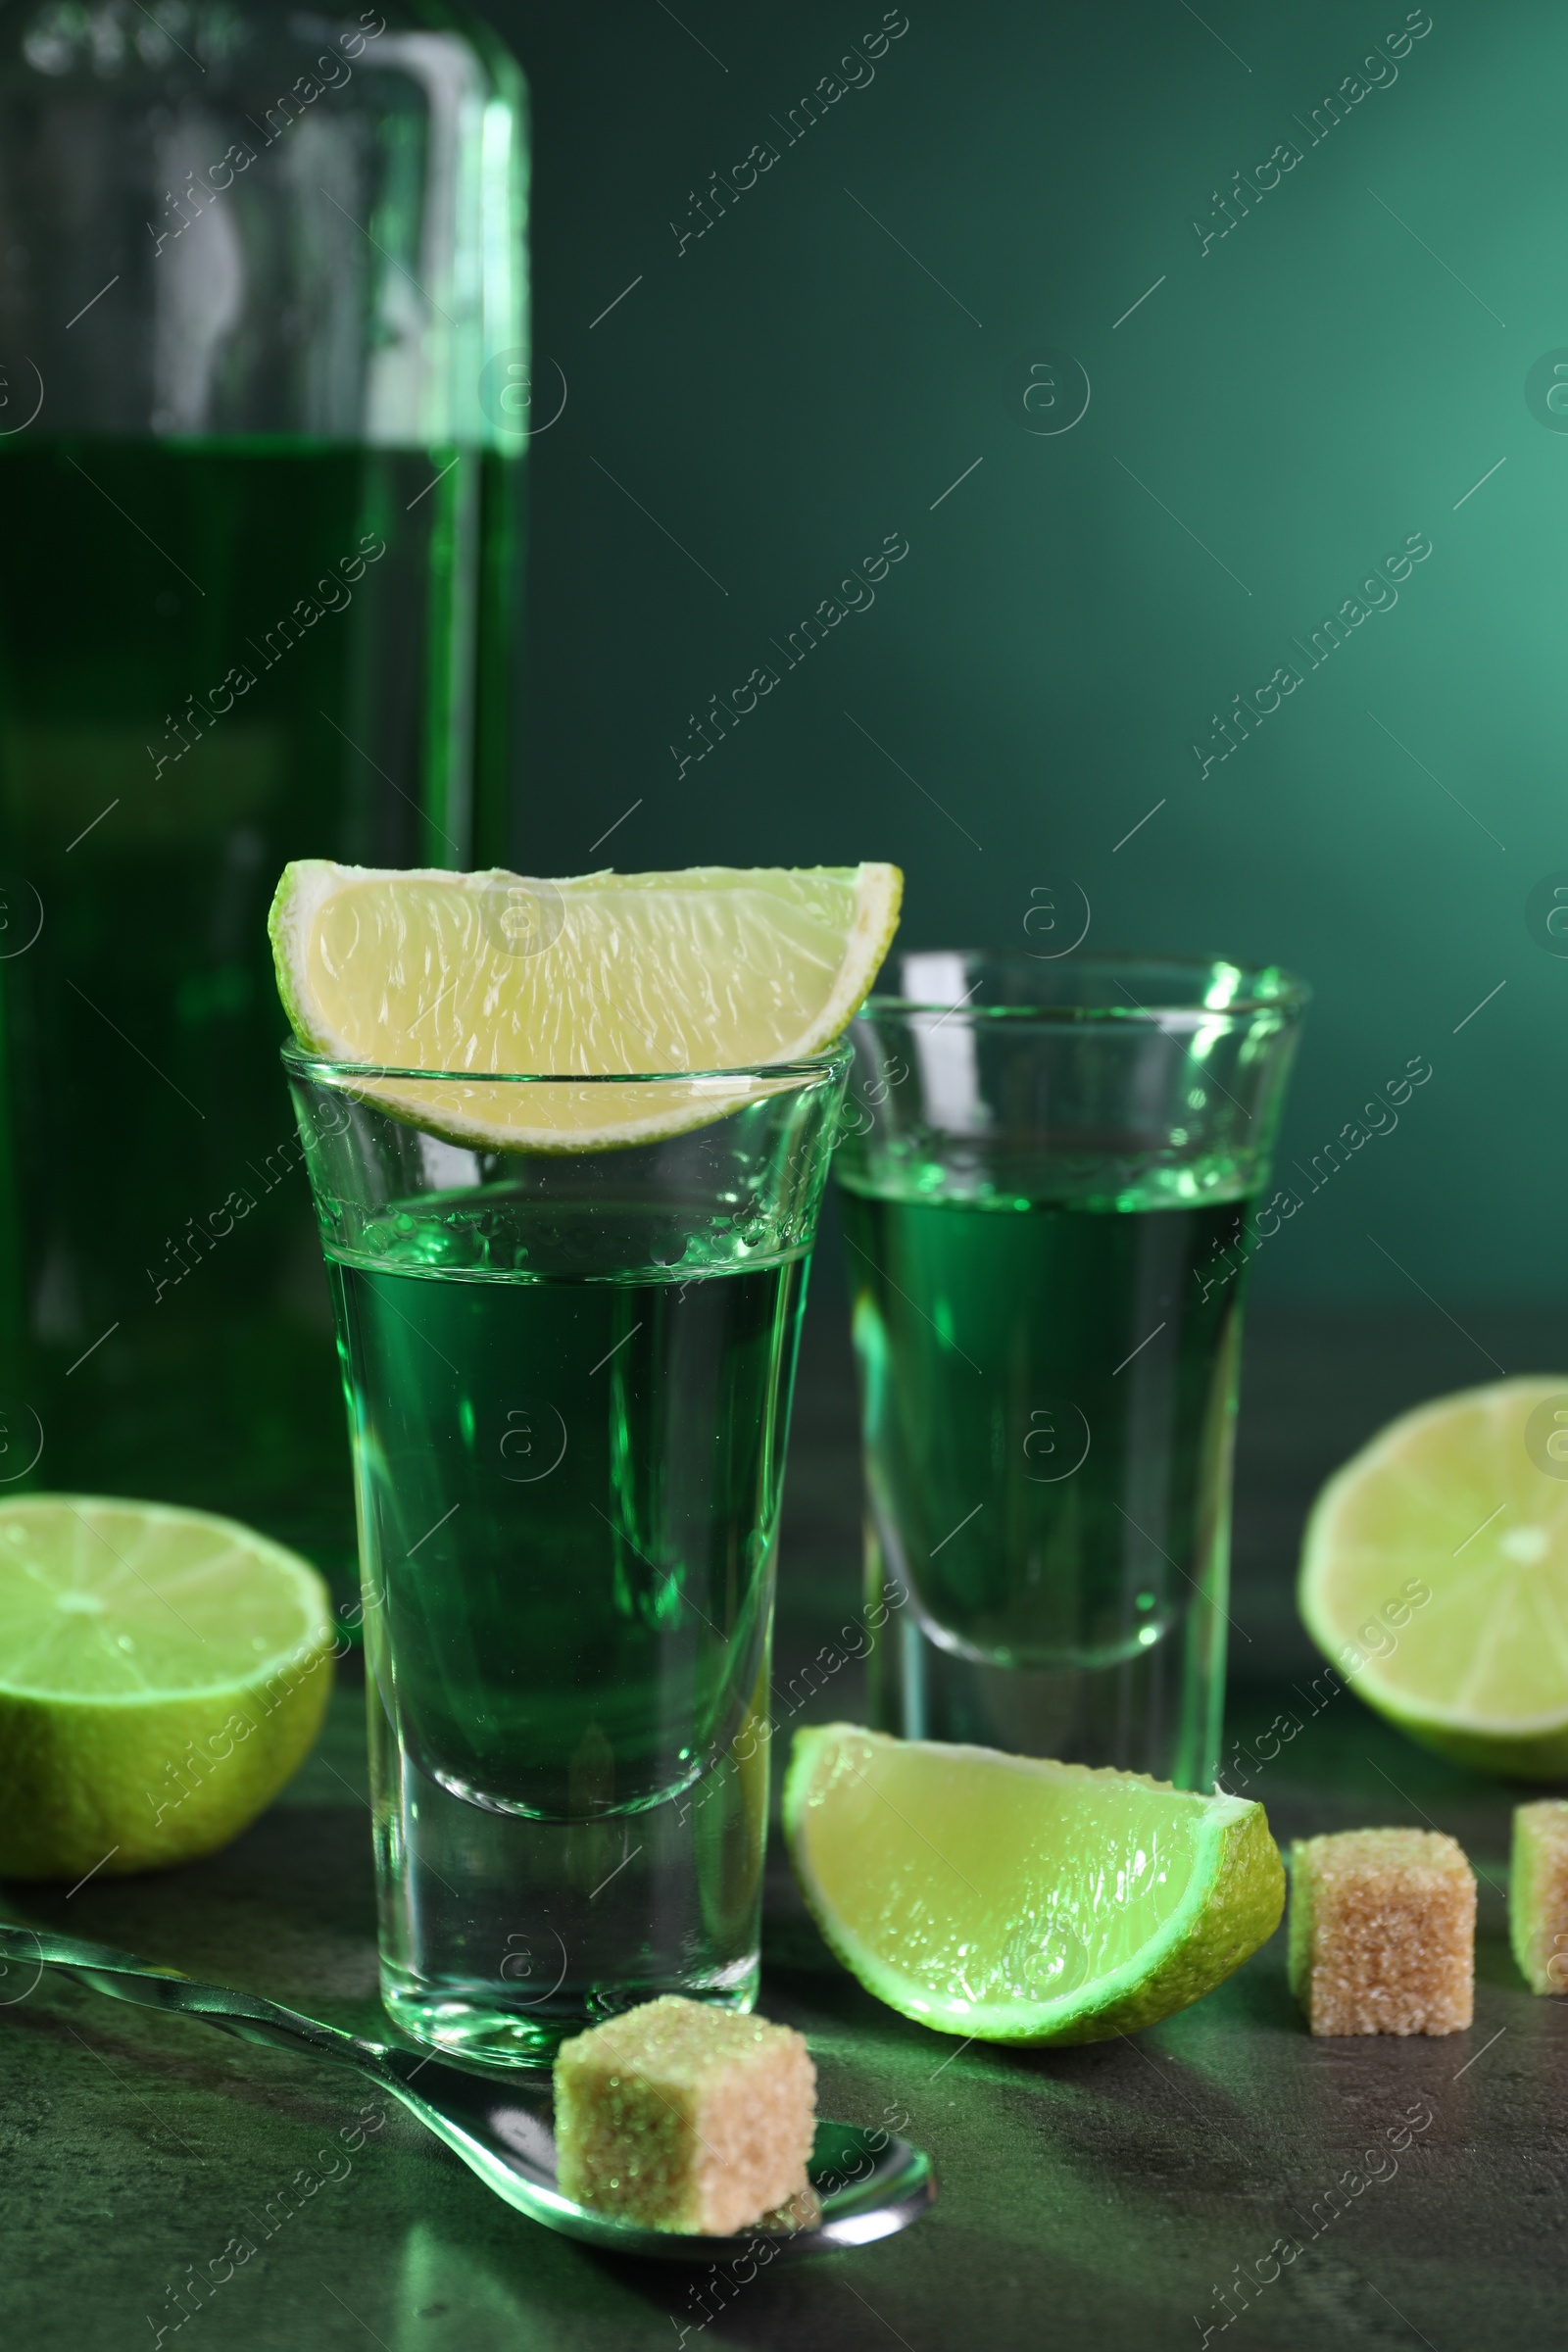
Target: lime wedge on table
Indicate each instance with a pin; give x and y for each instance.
(717, 968)
(1016, 1901)
(1435, 1576)
(162, 1674)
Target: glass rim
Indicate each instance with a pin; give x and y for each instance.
(1289, 994)
(332, 1068)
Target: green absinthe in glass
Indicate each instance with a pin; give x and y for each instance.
(1047, 1390)
(570, 1476)
(569, 1487)
(1048, 1177)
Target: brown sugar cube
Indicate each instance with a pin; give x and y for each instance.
(1538, 1894)
(679, 2116)
(1383, 1932)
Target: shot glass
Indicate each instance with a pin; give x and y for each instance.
(1052, 1178)
(568, 1373)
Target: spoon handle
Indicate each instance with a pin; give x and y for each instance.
(123, 1977)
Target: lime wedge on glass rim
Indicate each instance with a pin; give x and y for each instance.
(713, 969)
(163, 1673)
(1005, 1899)
(1435, 1575)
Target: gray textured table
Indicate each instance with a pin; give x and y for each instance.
(1102, 2197)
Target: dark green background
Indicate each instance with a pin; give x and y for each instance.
(1315, 387)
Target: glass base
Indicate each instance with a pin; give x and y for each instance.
(1156, 1712)
(501, 1936)
(468, 2023)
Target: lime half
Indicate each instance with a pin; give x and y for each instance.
(1435, 1576)
(162, 1674)
(1009, 1899)
(716, 968)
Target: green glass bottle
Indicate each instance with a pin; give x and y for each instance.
(263, 410)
